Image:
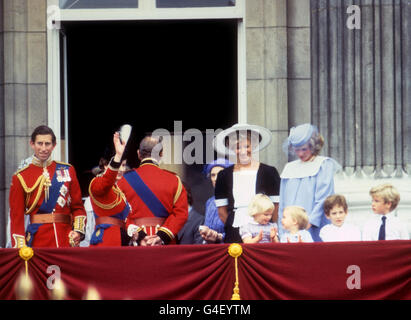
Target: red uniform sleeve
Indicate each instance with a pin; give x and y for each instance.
(102, 185)
(17, 211)
(176, 219)
(77, 207)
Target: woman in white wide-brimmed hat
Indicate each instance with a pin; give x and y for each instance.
(237, 184)
(309, 180)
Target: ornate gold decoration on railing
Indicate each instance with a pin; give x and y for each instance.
(26, 253)
(235, 250)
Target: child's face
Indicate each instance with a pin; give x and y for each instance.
(379, 206)
(288, 221)
(337, 215)
(263, 217)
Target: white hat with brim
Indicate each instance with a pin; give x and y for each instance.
(219, 140)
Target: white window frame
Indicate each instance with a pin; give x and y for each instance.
(146, 11)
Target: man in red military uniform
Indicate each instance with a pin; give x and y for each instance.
(49, 192)
(109, 202)
(157, 197)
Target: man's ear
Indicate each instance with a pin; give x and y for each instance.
(138, 154)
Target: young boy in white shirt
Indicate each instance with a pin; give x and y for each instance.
(384, 225)
(336, 210)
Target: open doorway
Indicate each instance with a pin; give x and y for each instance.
(148, 74)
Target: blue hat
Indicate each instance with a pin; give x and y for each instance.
(220, 162)
(301, 134)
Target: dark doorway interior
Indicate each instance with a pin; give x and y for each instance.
(148, 74)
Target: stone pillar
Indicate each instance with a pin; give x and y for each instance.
(361, 85)
(24, 84)
(2, 144)
(267, 72)
(361, 97)
(299, 62)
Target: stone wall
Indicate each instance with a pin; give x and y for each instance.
(361, 97)
(278, 69)
(23, 84)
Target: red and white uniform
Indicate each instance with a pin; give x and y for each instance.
(168, 189)
(110, 207)
(28, 191)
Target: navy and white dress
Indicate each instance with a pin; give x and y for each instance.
(236, 189)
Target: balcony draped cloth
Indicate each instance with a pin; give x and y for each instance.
(207, 272)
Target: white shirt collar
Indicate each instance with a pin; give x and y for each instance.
(389, 215)
(301, 169)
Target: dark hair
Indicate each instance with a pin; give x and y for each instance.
(103, 163)
(238, 135)
(43, 130)
(334, 200)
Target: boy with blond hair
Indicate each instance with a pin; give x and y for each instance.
(384, 225)
(336, 210)
(295, 222)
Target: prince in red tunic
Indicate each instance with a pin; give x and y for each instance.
(157, 197)
(109, 202)
(49, 192)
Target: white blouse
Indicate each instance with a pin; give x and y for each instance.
(243, 192)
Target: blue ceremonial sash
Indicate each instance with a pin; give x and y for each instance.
(31, 231)
(46, 207)
(145, 194)
(97, 236)
(54, 192)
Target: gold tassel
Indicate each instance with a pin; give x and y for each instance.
(59, 292)
(24, 287)
(47, 183)
(92, 294)
(235, 250)
(26, 253)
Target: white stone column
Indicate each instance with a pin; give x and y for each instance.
(23, 91)
(267, 72)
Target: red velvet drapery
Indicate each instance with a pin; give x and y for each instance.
(197, 272)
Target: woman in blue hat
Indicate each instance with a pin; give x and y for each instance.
(307, 181)
(212, 219)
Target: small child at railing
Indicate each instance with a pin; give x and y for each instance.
(336, 210)
(295, 222)
(261, 229)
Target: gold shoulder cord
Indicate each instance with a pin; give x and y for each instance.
(39, 183)
(116, 189)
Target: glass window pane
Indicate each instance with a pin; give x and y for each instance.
(194, 3)
(94, 4)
